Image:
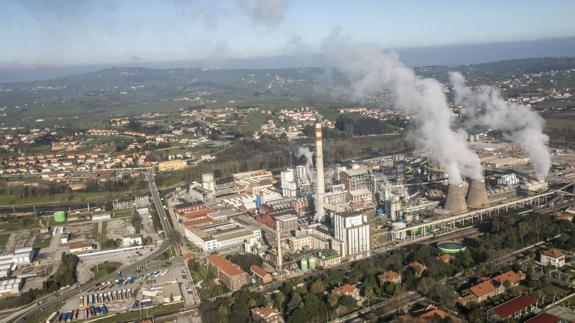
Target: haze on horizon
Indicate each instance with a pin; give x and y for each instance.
(91, 34)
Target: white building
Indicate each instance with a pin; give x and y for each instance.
(132, 240)
(65, 237)
(5, 270)
(553, 257)
(208, 182)
(353, 230)
(143, 212)
(10, 287)
(288, 184)
(295, 182)
(508, 180)
(222, 235)
(21, 256)
(102, 216)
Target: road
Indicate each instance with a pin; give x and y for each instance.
(32, 310)
(387, 306)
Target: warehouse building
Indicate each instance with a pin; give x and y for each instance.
(221, 235)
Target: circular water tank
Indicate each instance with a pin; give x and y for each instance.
(451, 247)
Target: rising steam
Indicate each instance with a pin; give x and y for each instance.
(304, 151)
(373, 72)
(486, 107)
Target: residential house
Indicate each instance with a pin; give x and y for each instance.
(262, 275)
(347, 290)
(515, 308)
(389, 276)
(266, 314)
(418, 268)
(553, 257)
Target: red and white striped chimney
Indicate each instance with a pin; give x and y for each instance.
(320, 189)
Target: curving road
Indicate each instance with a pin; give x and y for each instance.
(32, 310)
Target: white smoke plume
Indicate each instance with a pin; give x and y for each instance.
(486, 107)
(304, 151)
(261, 12)
(371, 71)
(265, 12)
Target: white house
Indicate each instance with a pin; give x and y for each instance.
(553, 257)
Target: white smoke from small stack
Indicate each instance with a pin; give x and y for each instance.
(486, 107)
(304, 151)
(371, 72)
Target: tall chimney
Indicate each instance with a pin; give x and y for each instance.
(279, 238)
(477, 194)
(320, 190)
(455, 201)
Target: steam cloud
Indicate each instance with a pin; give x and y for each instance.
(371, 72)
(304, 151)
(265, 12)
(520, 123)
(262, 12)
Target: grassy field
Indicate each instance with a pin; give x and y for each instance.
(3, 240)
(105, 268)
(254, 120)
(7, 200)
(42, 243)
(21, 223)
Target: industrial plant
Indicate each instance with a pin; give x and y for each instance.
(348, 211)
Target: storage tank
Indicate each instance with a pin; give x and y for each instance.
(455, 201)
(60, 216)
(477, 194)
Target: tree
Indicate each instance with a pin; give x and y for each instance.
(240, 309)
(279, 300)
(369, 294)
(348, 301)
(333, 300)
(293, 303)
(317, 287)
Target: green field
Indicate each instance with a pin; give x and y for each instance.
(105, 268)
(3, 240)
(7, 200)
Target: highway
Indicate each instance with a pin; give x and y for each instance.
(32, 310)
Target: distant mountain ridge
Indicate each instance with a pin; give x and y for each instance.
(447, 55)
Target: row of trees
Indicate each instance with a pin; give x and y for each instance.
(26, 191)
(361, 126)
(127, 182)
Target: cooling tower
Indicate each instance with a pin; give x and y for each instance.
(477, 194)
(320, 190)
(455, 201)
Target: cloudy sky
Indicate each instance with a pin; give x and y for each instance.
(76, 32)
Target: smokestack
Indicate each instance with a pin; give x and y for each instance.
(455, 201)
(280, 257)
(477, 194)
(320, 190)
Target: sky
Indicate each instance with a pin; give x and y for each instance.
(84, 32)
